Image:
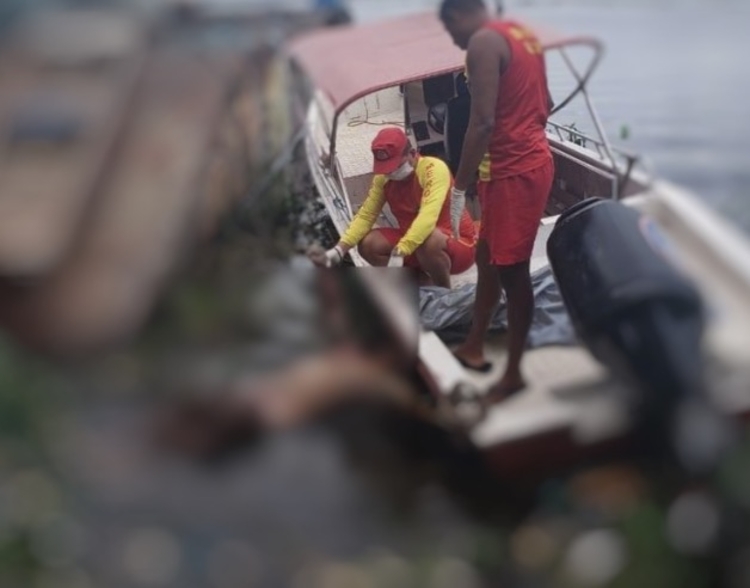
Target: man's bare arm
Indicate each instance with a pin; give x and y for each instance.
(484, 61)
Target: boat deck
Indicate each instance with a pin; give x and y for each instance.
(566, 386)
(568, 389)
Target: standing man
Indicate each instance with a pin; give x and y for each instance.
(507, 143)
(417, 189)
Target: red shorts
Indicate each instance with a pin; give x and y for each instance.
(512, 209)
(461, 253)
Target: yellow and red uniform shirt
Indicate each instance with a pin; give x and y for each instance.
(420, 204)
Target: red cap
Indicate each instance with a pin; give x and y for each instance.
(388, 150)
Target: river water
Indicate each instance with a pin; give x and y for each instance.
(675, 81)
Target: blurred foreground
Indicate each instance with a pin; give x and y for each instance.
(184, 402)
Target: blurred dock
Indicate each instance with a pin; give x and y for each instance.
(126, 138)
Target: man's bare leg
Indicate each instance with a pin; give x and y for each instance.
(375, 249)
(423, 278)
(516, 281)
(433, 258)
(471, 352)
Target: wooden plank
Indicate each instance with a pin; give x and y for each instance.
(145, 221)
(46, 188)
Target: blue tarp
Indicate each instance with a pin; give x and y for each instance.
(449, 312)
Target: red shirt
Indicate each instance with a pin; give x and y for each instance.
(519, 143)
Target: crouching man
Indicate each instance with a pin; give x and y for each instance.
(417, 190)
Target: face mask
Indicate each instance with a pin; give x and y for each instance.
(402, 172)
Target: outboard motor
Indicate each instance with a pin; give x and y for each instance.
(633, 310)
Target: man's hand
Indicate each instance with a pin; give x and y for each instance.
(396, 259)
(458, 204)
(322, 258)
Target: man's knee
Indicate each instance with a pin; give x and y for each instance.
(435, 246)
(519, 268)
(515, 274)
(374, 245)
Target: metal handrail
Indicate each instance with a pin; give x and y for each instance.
(606, 152)
(582, 79)
(561, 129)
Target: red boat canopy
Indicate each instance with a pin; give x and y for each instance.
(348, 63)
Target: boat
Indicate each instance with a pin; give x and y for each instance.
(402, 72)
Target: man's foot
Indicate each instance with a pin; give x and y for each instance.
(483, 368)
(509, 385)
(472, 360)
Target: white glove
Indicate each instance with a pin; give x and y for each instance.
(322, 258)
(458, 204)
(334, 257)
(395, 260)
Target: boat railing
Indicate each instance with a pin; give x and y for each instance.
(623, 162)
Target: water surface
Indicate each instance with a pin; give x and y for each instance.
(675, 80)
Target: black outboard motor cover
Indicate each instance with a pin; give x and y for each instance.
(629, 305)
